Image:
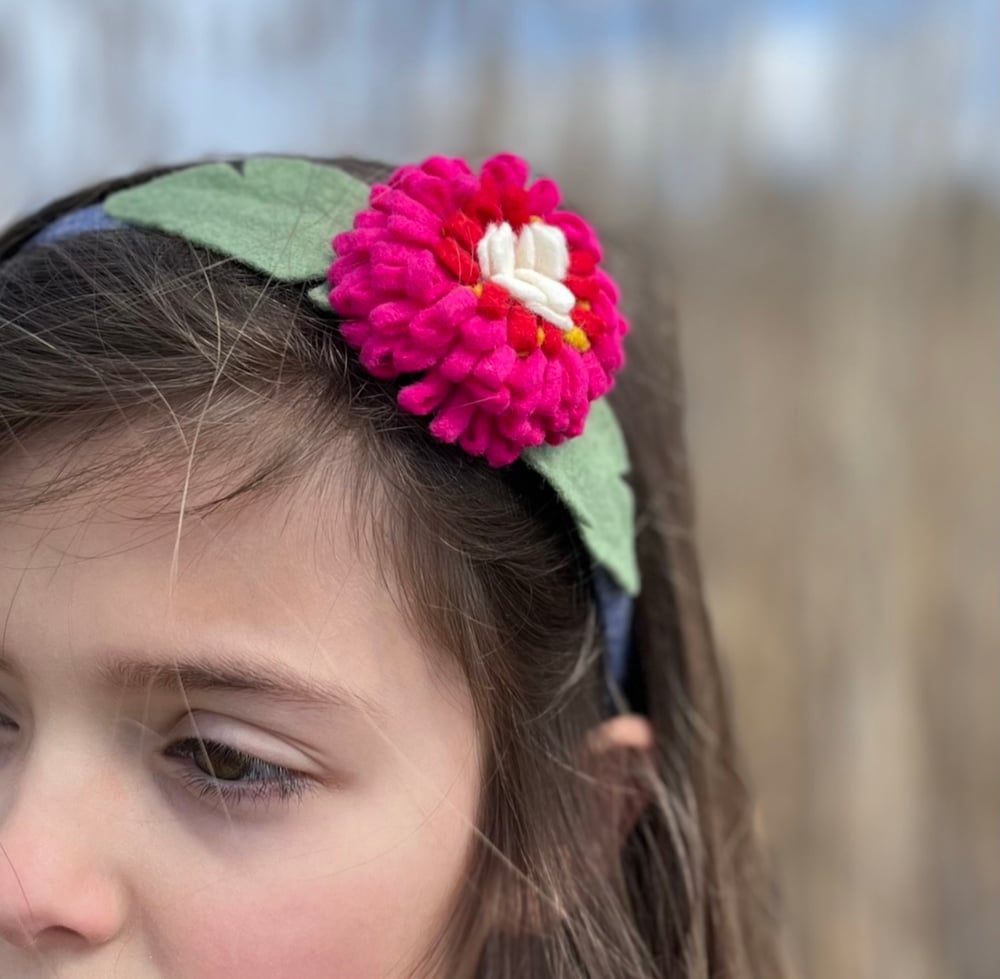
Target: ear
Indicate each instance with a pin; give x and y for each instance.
(616, 752)
(613, 756)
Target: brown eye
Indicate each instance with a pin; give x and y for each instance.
(222, 762)
(227, 777)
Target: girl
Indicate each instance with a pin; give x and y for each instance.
(335, 643)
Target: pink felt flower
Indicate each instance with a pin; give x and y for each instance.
(485, 299)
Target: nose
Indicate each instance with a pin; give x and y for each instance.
(53, 886)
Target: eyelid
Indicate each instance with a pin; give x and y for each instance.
(244, 738)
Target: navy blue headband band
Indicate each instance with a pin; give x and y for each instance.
(91, 218)
(615, 606)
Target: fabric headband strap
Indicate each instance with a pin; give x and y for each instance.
(587, 469)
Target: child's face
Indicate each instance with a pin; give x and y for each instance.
(334, 834)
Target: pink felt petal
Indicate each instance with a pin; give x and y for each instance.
(355, 332)
(578, 233)
(501, 452)
(480, 434)
(607, 286)
(575, 382)
(369, 219)
(457, 365)
(424, 280)
(494, 369)
(447, 168)
(494, 401)
(517, 429)
(424, 396)
(358, 238)
(409, 357)
(444, 319)
(389, 278)
(353, 296)
(527, 373)
(413, 231)
(400, 203)
(391, 318)
(376, 356)
(597, 378)
(508, 170)
(482, 334)
(452, 420)
(543, 197)
(548, 403)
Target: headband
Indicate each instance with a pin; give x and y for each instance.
(476, 291)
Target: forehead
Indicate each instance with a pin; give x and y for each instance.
(285, 573)
(129, 514)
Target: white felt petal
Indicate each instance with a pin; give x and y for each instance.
(501, 246)
(546, 312)
(556, 294)
(551, 250)
(526, 292)
(525, 251)
(497, 239)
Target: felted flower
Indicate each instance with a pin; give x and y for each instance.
(485, 298)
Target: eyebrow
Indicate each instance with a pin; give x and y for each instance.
(231, 674)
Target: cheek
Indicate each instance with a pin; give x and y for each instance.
(365, 915)
(295, 928)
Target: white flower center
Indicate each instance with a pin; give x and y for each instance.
(531, 266)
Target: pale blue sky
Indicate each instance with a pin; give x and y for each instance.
(678, 88)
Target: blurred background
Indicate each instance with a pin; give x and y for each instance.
(820, 184)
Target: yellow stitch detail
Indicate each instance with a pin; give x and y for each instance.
(478, 290)
(577, 339)
(583, 305)
(535, 219)
(541, 336)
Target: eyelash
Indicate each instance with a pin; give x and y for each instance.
(259, 782)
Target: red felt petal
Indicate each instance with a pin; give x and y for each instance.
(582, 262)
(457, 260)
(495, 301)
(522, 329)
(553, 341)
(465, 230)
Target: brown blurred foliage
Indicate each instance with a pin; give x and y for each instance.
(843, 387)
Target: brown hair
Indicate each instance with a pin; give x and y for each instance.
(136, 328)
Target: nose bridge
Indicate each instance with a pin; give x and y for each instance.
(59, 860)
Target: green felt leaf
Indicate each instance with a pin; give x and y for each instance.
(278, 215)
(588, 473)
(319, 296)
